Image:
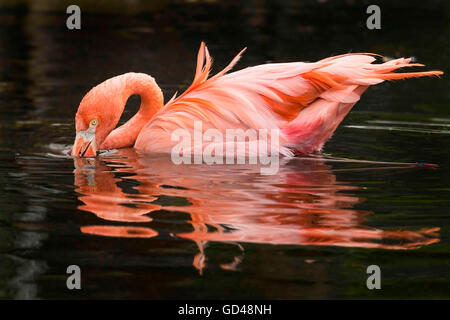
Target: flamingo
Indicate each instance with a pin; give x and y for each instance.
(304, 101)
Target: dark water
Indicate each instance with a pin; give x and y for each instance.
(142, 227)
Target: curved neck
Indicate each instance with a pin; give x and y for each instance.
(151, 101)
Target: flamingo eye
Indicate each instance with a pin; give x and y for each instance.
(93, 123)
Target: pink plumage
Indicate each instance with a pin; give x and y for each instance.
(305, 101)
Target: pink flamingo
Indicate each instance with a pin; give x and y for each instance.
(305, 101)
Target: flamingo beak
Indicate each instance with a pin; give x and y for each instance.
(84, 145)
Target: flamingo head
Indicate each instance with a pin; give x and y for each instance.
(85, 143)
(98, 114)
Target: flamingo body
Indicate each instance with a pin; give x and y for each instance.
(305, 101)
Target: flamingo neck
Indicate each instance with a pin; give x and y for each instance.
(151, 101)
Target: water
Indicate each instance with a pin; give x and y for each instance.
(142, 227)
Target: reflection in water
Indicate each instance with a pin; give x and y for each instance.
(301, 205)
(24, 281)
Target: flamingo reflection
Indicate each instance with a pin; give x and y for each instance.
(301, 205)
